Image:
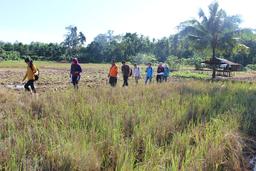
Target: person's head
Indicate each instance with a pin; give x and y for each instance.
(149, 64)
(74, 61)
(135, 65)
(28, 61)
(123, 62)
(160, 64)
(113, 62)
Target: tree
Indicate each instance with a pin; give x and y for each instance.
(162, 49)
(212, 31)
(73, 41)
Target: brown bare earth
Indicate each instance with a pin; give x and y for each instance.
(57, 78)
(51, 78)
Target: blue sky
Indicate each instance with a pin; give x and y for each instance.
(45, 20)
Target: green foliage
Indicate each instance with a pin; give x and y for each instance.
(132, 46)
(251, 67)
(73, 40)
(143, 59)
(174, 62)
(187, 74)
(162, 49)
(9, 55)
(215, 32)
(197, 62)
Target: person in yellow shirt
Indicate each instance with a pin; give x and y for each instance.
(30, 75)
(113, 71)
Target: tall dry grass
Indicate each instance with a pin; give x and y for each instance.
(189, 125)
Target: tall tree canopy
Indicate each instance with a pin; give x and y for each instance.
(73, 40)
(213, 31)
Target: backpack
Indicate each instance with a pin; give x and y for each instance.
(130, 73)
(37, 75)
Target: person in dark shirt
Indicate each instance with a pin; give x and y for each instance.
(160, 73)
(75, 72)
(126, 73)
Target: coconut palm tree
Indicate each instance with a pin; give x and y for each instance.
(211, 31)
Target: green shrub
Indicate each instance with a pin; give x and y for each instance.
(251, 67)
(9, 55)
(187, 74)
(174, 62)
(142, 58)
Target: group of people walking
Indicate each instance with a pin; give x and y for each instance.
(32, 74)
(163, 71)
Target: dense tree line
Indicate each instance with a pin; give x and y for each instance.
(132, 47)
(216, 35)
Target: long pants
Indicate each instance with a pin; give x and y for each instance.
(165, 78)
(30, 83)
(137, 79)
(125, 81)
(159, 78)
(75, 80)
(148, 79)
(112, 81)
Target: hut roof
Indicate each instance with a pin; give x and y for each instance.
(219, 61)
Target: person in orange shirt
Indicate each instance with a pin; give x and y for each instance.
(30, 75)
(112, 75)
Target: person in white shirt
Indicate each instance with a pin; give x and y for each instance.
(136, 74)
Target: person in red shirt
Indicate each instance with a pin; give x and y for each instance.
(113, 71)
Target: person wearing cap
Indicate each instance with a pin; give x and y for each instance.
(75, 72)
(31, 72)
(126, 73)
(112, 75)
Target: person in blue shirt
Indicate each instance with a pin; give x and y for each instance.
(149, 73)
(166, 72)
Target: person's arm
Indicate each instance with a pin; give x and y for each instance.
(138, 72)
(80, 69)
(116, 70)
(109, 72)
(34, 69)
(70, 74)
(122, 69)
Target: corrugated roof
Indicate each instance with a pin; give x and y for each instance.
(225, 61)
(221, 61)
